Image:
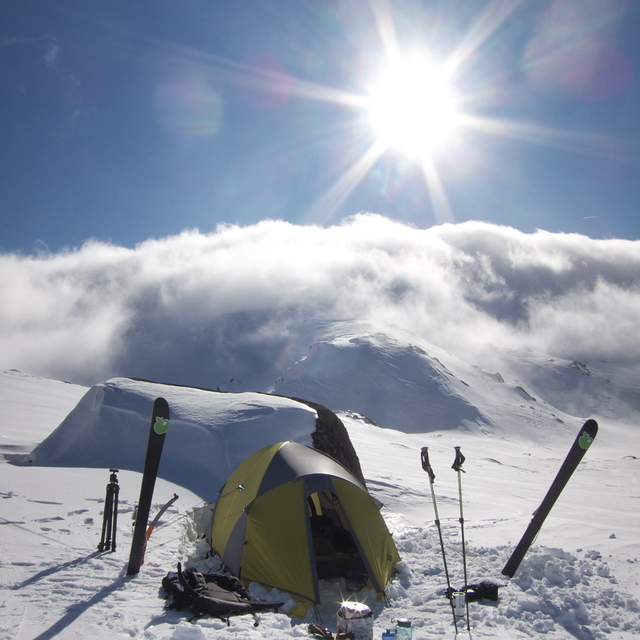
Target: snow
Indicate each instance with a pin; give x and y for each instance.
(211, 433)
(514, 417)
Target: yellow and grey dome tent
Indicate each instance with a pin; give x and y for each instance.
(290, 514)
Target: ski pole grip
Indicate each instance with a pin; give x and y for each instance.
(426, 465)
(424, 455)
(459, 461)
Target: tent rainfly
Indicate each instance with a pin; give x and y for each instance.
(290, 514)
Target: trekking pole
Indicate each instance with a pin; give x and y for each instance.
(457, 466)
(154, 524)
(426, 465)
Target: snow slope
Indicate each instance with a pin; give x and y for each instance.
(32, 407)
(515, 421)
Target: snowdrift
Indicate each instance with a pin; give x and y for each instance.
(210, 432)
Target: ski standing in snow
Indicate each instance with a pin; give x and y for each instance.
(157, 433)
(583, 441)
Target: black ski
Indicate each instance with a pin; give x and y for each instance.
(157, 432)
(576, 453)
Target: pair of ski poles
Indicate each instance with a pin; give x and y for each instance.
(456, 466)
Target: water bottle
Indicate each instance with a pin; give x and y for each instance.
(388, 635)
(459, 599)
(403, 629)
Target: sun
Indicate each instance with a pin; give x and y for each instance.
(413, 107)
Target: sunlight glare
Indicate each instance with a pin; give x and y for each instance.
(413, 108)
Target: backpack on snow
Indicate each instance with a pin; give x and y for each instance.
(215, 594)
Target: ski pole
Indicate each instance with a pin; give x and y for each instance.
(426, 465)
(457, 466)
(154, 523)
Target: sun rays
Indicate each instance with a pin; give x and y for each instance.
(418, 108)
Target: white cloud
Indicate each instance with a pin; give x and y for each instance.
(51, 55)
(168, 309)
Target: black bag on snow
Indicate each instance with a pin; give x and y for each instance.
(481, 591)
(214, 594)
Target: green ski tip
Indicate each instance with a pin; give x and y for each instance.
(161, 425)
(585, 440)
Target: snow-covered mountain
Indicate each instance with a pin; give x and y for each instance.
(514, 414)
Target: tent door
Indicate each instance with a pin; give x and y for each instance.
(336, 554)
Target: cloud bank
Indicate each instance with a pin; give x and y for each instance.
(245, 301)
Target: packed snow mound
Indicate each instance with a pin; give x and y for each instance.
(210, 433)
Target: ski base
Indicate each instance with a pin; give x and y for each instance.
(157, 433)
(582, 442)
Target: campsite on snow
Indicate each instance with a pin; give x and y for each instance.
(578, 580)
(320, 320)
(470, 335)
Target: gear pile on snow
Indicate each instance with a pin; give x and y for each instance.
(215, 594)
(479, 592)
(322, 633)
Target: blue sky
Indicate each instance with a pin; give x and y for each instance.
(122, 121)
